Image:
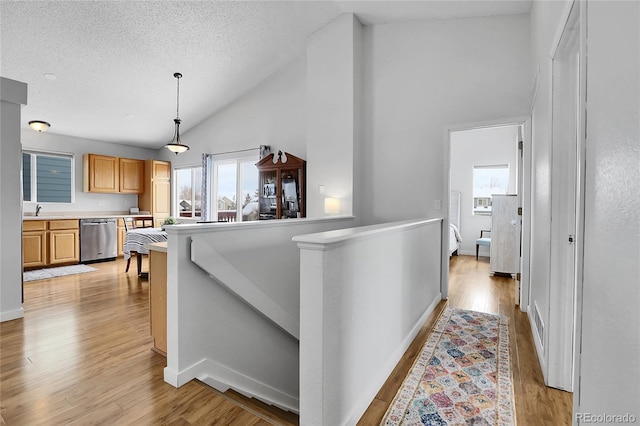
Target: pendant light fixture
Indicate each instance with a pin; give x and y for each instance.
(176, 146)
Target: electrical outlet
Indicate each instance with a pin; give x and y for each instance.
(437, 205)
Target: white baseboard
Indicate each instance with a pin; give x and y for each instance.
(383, 373)
(11, 315)
(223, 378)
(538, 345)
(179, 378)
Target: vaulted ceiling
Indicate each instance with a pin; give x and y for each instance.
(104, 69)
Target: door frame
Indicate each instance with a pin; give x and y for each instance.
(446, 161)
(565, 335)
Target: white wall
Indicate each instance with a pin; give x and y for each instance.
(420, 78)
(611, 287)
(84, 201)
(609, 327)
(13, 94)
(479, 147)
(331, 113)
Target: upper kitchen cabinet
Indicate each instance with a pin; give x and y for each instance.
(157, 196)
(102, 173)
(131, 176)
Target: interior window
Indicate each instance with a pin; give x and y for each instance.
(488, 180)
(47, 178)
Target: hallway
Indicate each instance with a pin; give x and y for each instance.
(471, 287)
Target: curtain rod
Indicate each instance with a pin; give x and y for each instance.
(233, 152)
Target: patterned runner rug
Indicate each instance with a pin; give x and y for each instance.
(462, 376)
(43, 274)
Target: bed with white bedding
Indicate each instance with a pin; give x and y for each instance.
(454, 223)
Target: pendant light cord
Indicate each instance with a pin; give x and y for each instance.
(178, 96)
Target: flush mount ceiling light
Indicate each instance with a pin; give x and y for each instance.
(39, 126)
(176, 146)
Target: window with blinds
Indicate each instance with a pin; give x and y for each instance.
(47, 178)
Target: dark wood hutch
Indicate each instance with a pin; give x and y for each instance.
(282, 186)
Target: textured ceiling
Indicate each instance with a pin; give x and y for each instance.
(117, 58)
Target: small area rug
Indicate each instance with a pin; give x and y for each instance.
(462, 376)
(43, 274)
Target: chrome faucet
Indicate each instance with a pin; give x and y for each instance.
(38, 208)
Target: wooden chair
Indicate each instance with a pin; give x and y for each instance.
(482, 241)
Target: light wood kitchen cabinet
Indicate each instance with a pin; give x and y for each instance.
(50, 242)
(100, 173)
(131, 176)
(34, 243)
(64, 246)
(113, 175)
(157, 196)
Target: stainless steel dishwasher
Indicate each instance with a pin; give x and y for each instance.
(98, 240)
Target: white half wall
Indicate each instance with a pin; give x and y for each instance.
(229, 334)
(13, 94)
(479, 147)
(365, 293)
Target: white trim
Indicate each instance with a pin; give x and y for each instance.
(350, 234)
(33, 154)
(564, 19)
(12, 315)
(538, 345)
(222, 378)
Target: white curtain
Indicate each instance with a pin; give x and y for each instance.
(207, 168)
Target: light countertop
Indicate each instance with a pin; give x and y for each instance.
(161, 247)
(82, 215)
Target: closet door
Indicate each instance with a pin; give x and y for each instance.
(504, 234)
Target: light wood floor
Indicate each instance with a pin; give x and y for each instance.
(471, 287)
(82, 356)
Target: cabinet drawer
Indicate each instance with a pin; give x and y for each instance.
(34, 225)
(63, 224)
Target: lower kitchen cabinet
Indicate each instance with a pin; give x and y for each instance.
(64, 246)
(50, 242)
(34, 249)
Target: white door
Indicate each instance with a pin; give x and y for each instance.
(564, 206)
